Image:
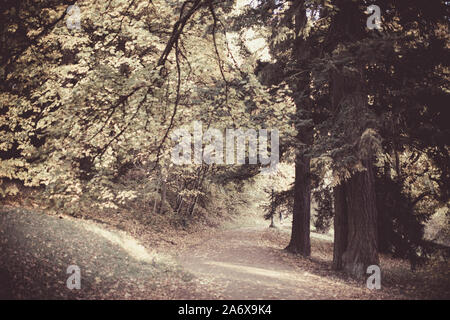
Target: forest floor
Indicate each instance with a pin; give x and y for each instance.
(235, 261)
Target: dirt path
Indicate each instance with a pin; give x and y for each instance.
(244, 264)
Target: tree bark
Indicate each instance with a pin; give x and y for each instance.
(361, 250)
(356, 236)
(340, 225)
(356, 214)
(300, 236)
(359, 211)
(355, 224)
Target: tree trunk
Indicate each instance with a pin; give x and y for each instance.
(340, 225)
(272, 224)
(355, 224)
(163, 195)
(300, 236)
(272, 209)
(180, 206)
(361, 250)
(192, 206)
(359, 190)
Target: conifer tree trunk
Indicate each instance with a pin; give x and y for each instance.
(356, 216)
(340, 225)
(355, 200)
(300, 236)
(361, 250)
(355, 224)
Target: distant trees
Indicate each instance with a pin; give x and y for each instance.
(323, 198)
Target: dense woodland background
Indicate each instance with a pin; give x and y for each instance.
(86, 115)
